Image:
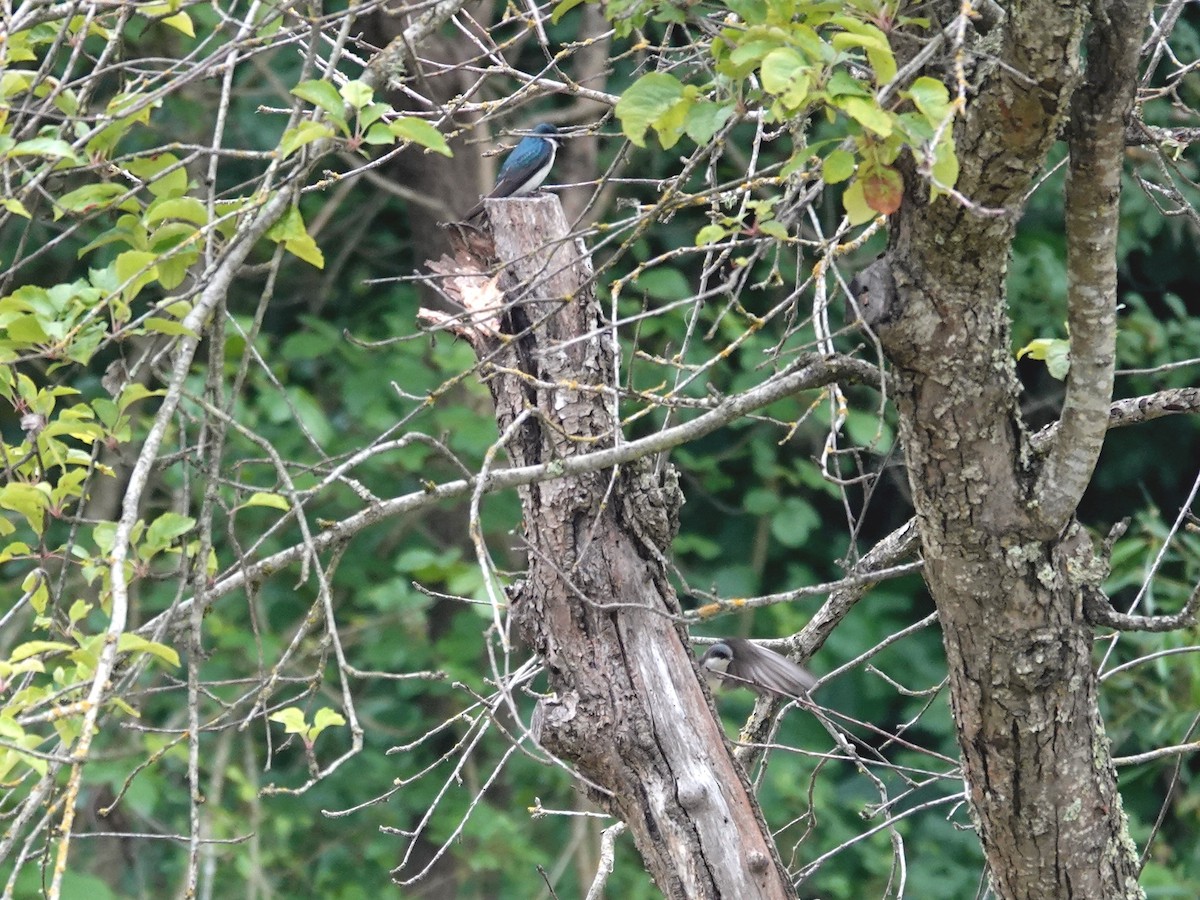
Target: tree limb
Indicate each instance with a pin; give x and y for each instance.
(1099, 111)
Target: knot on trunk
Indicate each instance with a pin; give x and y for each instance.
(650, 504)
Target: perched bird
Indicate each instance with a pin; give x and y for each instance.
(524, 170)
(736, 662)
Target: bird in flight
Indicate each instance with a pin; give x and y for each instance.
(736, 662)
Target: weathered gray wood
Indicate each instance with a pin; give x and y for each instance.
(629, 710)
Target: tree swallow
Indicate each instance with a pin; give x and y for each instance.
(524, 170)
(736, 662)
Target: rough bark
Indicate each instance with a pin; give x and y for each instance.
(628, 710)
(1004, 560)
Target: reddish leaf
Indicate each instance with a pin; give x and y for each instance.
(883, 188)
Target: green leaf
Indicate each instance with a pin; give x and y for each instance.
(167, 527)
(843, 84)
(120, 704)
(749, 55)
(837, 166)
(664, 283)
(875, 43)
(379, 134)
(291, 718)
(705, 118)
(795, 522)
(1055, 352)
(181, 22)
(104, 535)
(289, 231)
(15, 82)
(671, 124)
(356, 93)
(304, 133)
(774, 228)
(187, 208)
(51, 148)
(856, 204)
(37, 583)
(710, 234)
(945, 163)
(27, 330)
(263, 498)
(137, 265)
(645, 102)
(169, 326)
(931, 98)
(322, 720)
(15, 206)
(760, 501)
(867, 113)
(372, 113)
(786, 74)
(133, 643)
(89, 197)
(30, 500)
(33, 648)
(420, 132)
(321, 94)
(151, 169)
(133, 392)
(562, 9)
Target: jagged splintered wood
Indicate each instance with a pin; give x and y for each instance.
(628, 710)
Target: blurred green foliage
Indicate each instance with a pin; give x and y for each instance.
(759, 518)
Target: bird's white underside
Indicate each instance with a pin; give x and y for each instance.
(535, 182)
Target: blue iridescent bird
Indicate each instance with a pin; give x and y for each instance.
(524, 170)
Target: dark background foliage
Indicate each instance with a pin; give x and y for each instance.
(343, 363)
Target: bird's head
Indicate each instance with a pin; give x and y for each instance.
(548, 131)
(715, 661)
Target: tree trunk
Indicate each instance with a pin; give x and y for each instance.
(1004, 559)
(628, 711)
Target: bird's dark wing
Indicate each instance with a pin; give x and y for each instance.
(506, 183)
(509, 181)
(767, 670)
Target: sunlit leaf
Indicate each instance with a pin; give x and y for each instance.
(867, 113)
(167, 527)
(786, 73)
(133, 643)
(264, 498)
(34, 648)
(15, 206)
(356, 93)
(291, 718)
(564, 7)
(324, 718)
(837, 166)
(30, 500)
(856, 204)
(1054, 352)
(181, 22)
(645, 101)
(289, 231)
(321, 94)
(931, 98)
(420, 132)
